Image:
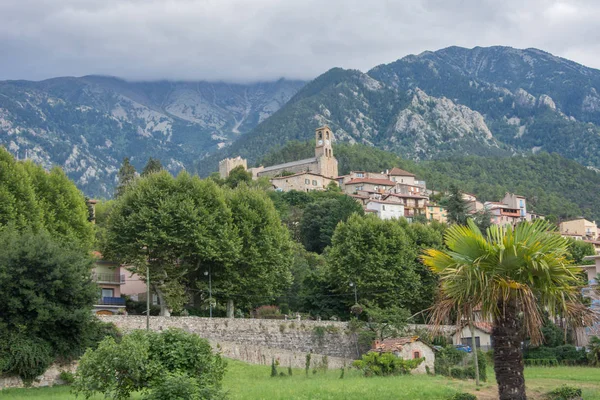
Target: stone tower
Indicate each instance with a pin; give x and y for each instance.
(327, 163)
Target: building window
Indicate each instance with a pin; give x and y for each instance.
(383, 207)
(108, 292)
(360, 175)
(314, 183)
(416, 354)
(307, 181)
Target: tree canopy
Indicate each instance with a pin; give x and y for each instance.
(33, 198)
(320, 219)
(172, 225)
(45, 302)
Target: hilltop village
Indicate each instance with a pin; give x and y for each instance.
(393, 193)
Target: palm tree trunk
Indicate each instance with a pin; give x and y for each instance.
(508, 356)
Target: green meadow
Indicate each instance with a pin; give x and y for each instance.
(243, 381)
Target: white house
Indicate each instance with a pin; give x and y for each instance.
(483, 336)
(386, 209)
(408, 348)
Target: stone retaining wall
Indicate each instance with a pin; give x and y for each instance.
(322, 337)
(50, 378)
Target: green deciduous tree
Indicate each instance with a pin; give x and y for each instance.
(578, 249)
(18, 204)
(126, 175)
(237, 176)
(320, 219)
(45, 302)
(33, 198)
(513, 275)
(168, 365)
(63, 207)
(263, 266)
(173, 226)
(378, 257)
(153, 165)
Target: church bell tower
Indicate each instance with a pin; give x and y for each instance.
(323, 139)
(327, 163)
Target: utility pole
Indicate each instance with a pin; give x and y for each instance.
(209, 291)
(474, 347)
(147, 297)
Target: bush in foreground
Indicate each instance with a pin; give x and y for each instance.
(46, 299)
(385, 364)
(173, 364)
(565, 392)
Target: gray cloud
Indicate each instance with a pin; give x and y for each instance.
(244, 40)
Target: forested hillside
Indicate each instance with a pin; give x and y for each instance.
(553, 185)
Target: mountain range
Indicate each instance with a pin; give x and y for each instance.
(494, 101)
(88, 125)
(491, 102)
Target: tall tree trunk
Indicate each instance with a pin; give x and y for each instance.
(508, 356)
(230, 308)
(164, 307)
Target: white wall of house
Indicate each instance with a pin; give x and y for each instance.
(386, 210)
(418, 349)
(485, 339)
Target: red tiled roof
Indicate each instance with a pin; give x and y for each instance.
(400, 172)
(484, 326)
(373, 181)
(393, 344)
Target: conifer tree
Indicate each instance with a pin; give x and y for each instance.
(126, 175)
(153, 165)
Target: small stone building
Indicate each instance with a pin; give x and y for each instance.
(408, 348)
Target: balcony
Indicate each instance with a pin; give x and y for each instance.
(111, 301)
(507, 212)
(110, 278)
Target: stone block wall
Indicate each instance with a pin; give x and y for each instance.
(50, 378)
(322, 337)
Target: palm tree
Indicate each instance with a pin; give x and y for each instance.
(513, 274)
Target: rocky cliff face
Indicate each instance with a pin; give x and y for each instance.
(87, 125)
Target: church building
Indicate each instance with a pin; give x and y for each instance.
(309, 174)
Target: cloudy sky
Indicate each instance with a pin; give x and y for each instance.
(245, 40)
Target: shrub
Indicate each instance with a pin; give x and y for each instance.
(141, 359)
(178, 386)
(446, 358)
(385, 364)
(307, 363)
(593, 355)
(27, 357)
(273, 368)
(565, 392)
(463, 396)
(67, 377)
(482, 365)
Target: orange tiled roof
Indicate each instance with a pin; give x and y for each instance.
(393, 344)
(400, 172)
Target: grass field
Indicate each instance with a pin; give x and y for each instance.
(244, 381)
